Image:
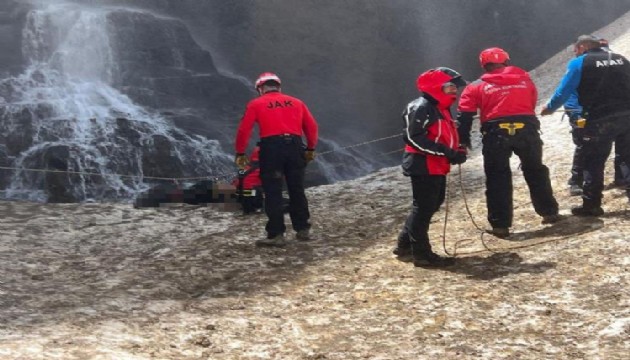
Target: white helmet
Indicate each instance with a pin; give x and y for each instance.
(264, 77)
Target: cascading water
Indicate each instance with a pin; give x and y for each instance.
(63, 113)
(113, 96)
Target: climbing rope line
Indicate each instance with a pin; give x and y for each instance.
(360, 144)
(215, 176)
(483, 232)
(114, 174)
(334, 166)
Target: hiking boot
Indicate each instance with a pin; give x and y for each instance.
(551, 219)
(500, 232)
(276, 241)
(403, 251)
(575, 190)
(432, 260)
(587, 211)
(303, 235)
(615, 185)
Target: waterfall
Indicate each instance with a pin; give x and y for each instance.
(64, 113)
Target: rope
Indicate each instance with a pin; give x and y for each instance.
(481, 230)
(359, 144)
(484, 232)
(220, 176)
(112, 174)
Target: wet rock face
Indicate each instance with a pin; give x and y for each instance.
(16, 131)
(160, 160)
(143, 71)
(148, 47)
(4, 162)
(160, 65)
(57, 186)
(11, 20)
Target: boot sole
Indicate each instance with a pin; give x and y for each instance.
(266, 244)
(431, 265)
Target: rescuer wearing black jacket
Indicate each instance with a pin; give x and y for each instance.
(602, 80)
(432, 146)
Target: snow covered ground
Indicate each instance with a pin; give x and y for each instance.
(106, 281)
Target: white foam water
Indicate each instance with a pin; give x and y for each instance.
(66, 93)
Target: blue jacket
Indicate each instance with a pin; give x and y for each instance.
(572, 106)
(601, 80)
(567, 92)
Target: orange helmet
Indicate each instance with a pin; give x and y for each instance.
(264, 77)
(493, 55)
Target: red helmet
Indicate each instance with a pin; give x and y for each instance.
(264, 77)
(493, 55)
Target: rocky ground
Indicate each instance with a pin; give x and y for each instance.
(106, 281)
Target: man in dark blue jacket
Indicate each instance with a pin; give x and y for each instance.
(602, 81)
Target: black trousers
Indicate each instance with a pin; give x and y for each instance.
(598, 138)
(577, 168)
(282, 158)
(622, 169)
(498, 146)
(428, 195)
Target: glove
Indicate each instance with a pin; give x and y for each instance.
(309, 155)
(456, 157)
(241, 161)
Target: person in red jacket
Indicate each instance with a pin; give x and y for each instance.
(249, 185)
(506, 99)
(432, 146)
(282, 121)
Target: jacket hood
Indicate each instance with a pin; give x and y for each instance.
(431, 82)
(506, 76)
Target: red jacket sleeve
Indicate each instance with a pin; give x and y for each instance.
(245, 128)
(534, 94)
(309, 126)
(468, 101)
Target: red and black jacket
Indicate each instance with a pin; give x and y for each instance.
(430, 134)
